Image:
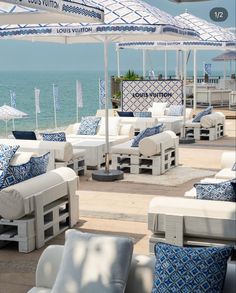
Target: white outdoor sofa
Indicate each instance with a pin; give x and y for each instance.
(173, 123)
(210, 127)
(36, 210)
(140, 278)
(189, 221)
(157, 153)
(95, 145)
(62, 154)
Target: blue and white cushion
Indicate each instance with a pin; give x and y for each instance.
(143, 114)
(147, 132)
(190, 269)
(89, 125)
(58, 136)
(16, 174)
(6, 154)
(176, 110)
(38, 165)
(223, 191)
(205, 112)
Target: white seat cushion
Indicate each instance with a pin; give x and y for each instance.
(39, 290)
(125, 148)
(202, 218)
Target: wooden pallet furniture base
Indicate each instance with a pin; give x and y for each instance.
(78, 165)
(200, 133)
(137, 164)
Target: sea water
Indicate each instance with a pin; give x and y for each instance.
(24, 83)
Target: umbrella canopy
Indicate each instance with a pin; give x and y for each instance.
(123, 21)
(228, 56)
(8, 113)
(28, 12)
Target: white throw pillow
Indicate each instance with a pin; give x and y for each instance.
(114, 126)
(158, 109)
(93, 263)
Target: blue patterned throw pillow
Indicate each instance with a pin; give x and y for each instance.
(190, 269)
(176, 110)
(89, 125)
(16, 174)
(38, 165)
(147, 132)
(223, 191)
(6, 154)
(59, 136)
(143, 114)
(205, 112)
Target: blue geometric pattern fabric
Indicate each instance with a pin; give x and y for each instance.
(6, 154)
(88, 125)
(205, 112)
(142, 114)
(16, 174)
(39, 165)
(147, 132)
(59, 136)
(176, 110)
(223, 191)
(190, 269)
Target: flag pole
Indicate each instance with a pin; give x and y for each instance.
(54, 104)
(36, 111)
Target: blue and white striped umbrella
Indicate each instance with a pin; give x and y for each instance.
(30, 12)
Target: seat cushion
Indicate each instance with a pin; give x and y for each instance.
(113, 126)
(125, 148)
(225, 173)
(202, 218)
(190, 269)
(93, 263)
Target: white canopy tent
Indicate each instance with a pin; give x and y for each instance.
(30, 12)
(124, 20)
(212, 37)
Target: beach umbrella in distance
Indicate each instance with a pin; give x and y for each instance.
(8, 113)
(123, 21)
(30, 12)
(228, 56)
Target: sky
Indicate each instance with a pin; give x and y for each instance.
(19, 55)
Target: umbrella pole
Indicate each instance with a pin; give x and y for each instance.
(118, 60)
(106, 104)
(184, 139)
(194, 79)
(6, 127)
(166, 62)
(144, 64)
(107, 174)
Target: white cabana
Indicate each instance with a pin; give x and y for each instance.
(30, 12)
(124, 21)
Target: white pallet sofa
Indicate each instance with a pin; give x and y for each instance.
(95, 145)
(210, 127)
(156, 154)
(187, 221)
(140, 278)
(62, 154)
(173, 123)
(34, 211)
